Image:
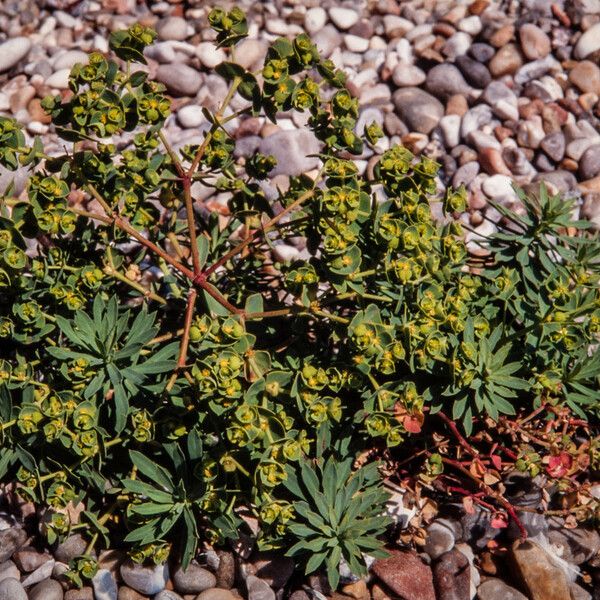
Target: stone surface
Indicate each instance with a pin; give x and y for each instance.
(13, 538)
(315, 19)
(405, 574)
(475, 73)
(127, 593)
(343, 18)
(589, 163)
(172, 28)
(542, 579)
(105, 585)
(445, 80)
(496, 589)
(586, 76)
(193, 580)
(535, 43)
(85, 593)
(147, 580)
(180, 79)
(271, 567)
(451, 576)
(419, 110)
(440, 538)
(46, 590)
(190, 116)
(291, 148)
(9, 569)
(73, 546)
(215, 594)
(576, 545)
(11, 589)
(12, 51)
(588, 43)
(226, 570)
(506, 61)
(554, 145)
(258, 589)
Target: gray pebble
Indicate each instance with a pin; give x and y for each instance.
(291, 148)
(554, 145)
(13, 538)
(258, 589)
(11, 589)
(481, 52)
(474, 72)
(465, 174)
(419, 110)
(193, 580)
(446, 80)
(105, 585)
(180, 79)
(146, 580)
(47, 590)
(589, 163)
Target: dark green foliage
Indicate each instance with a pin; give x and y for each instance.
(387, 320)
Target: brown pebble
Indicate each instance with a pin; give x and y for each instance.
(492, 162)
(477, 7)
(571, 106)
(506, 61)
(378, 593)
(568, 164)
(588, 101)
(586, 76)
(487, 563)
(502, 133)
(457, 105)
(533, 108)
(502, 36)
(553, 117)
(357, 590)
(444, 29)
(37, 113)
(561, 15)
(127, 593)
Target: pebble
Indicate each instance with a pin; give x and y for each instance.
(172, 28)
(587, 44)
(193, 580)
(29, 559)
(73, 546)
(407, 75)
(471, 25)
(419, 110)
(327, 40)
(474, 72)
(84, 593)
(451, 577)
(11, 589)
(355, 43)
(465, 174)
(315, 19)
(171, 595)
(9, 569)
(343, 18)
(450, 127)
(495, 589)
(190, 116)
(499, 188)
(506, 61)
(59, 79)
(589, 163)
(586, 76)
(12, 51)
(250, 53)
(475, 119)
(481, 52)
(147, 580)
(214, 594)
(180, 79)
(225, 571)
(210, 56)
(554, 145)
(534, 42)
(42, 572)
(47, 590)
(127, 593)
(502, 100)
(440, 538)
(405, 574)
(258, 589)
(291, 148)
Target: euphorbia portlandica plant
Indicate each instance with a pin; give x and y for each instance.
(160, 368)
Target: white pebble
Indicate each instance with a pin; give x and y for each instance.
(315, 19)
(471, 25)
(210, 56)
(59, 79)
(12, 51)
(190, 116)
(343, 18)
(355, 43)
(589, 42)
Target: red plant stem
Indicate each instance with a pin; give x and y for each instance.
(490, 492)
(454, 429)
(185, 340)
(475, 497)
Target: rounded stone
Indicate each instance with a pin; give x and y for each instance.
(291, 150)
(49, 589)
(215, 594)
(534, 42)
(407, 75)
(73, 546)
(193, 580)
(172, 28)
(446, 80)
(180, 79)
(481, 52)
(11, 589)
(315, 19)
(210, 56)
(68, 59)
(586, 76)
(589, 163)
(419, 110)
(475, 73)
(587, 44)
(506, 61)
(343, 18)
(440, 539)
(12, 51)
(190, 116)
(146, 580)
(59, 79)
